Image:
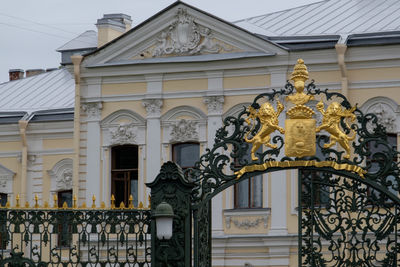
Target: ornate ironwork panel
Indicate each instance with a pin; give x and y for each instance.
(322, 133)
(61, 237)
(172, 187)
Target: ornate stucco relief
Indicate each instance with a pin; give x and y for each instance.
(153, 107)
(123, 134)
(386, 116)
(184, 36)
(183, 131)
(214, 104)
(92, 110)
(246, 223)
(61, 175)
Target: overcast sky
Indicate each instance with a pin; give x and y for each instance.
(31, 31)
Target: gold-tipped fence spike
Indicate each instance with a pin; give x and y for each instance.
(55, 201)
(74, 202)
(112, 202)
(83, 205)
(103, 205)
(8, 204)
(26, 204)
(122, 205)
(94, 202)
(65, 205)
(36, 198)
(46, 205)
(140, 205)
(17, 198)
(149, 198)
(131, 206)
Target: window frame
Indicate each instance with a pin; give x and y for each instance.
(64, 230)
(173, 146)
(129, 174)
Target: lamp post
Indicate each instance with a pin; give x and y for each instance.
(164, 215)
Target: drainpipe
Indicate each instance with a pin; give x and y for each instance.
(341, 48)
(23, 124)
(76, 60)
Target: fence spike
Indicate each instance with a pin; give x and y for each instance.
(36, 206)
(65, 205)
(74, 199)
(140, 205)
(8, 204)
(94, 202)
(112, 201)
(17, 201)
(55, 201)
(26, 204)
(46, 205)
(131, 206)
(122, 205)
(103, 205)
(83, 205)
(149, 198)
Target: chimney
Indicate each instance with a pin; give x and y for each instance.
(33, 72)
(111, 26)
(15, 74)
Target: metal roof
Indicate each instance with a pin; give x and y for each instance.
(46, 91)
(329, 17)
(88, 39)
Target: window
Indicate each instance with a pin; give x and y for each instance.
(249, 193)
(321, 190)
(64, 228)
(185, 154)
(374, 162)
(124, 174)
(3, 199)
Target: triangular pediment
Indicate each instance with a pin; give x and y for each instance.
(181, 30)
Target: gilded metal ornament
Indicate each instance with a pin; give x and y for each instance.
(348, 195)
(269, 120)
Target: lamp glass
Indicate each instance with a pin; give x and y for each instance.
(164, 227)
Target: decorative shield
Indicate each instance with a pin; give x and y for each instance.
(300, 137)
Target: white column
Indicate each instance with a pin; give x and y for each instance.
(214, 122)
(278, 203)
(153, 138)
(93, 178)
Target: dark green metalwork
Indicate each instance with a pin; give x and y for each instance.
(73, 237)
(356, 226)
(173, 187)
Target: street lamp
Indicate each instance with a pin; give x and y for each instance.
(164, 215)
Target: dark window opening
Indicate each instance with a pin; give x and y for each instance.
(64, 227)
(249, 193)
(3, 223)
(186, 154)
(3, 199)
(124, 174)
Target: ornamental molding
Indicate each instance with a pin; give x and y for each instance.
(92, 110)
(246, 219)
(153, 107)
(61, 175)
(214, 104)
(183, 131)
(385, 110)
(6, 180)
(246, 223)
(186, 37)
(123, 134)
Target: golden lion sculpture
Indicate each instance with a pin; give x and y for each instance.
(269, 121)
(331, 123)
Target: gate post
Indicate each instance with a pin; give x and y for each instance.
(172, 187)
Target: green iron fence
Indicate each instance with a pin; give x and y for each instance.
(75, 236)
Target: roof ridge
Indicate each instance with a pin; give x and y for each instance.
(284, 10)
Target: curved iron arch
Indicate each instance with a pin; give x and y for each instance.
(217, 169)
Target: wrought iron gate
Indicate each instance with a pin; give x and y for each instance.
(348, 182)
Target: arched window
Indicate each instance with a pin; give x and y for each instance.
(124, 174)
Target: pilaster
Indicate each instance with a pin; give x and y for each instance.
(214, 122)
(153, 136)
(93, 182)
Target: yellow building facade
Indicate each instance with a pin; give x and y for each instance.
(159, 92)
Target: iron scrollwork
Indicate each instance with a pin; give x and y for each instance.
(360, 175)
